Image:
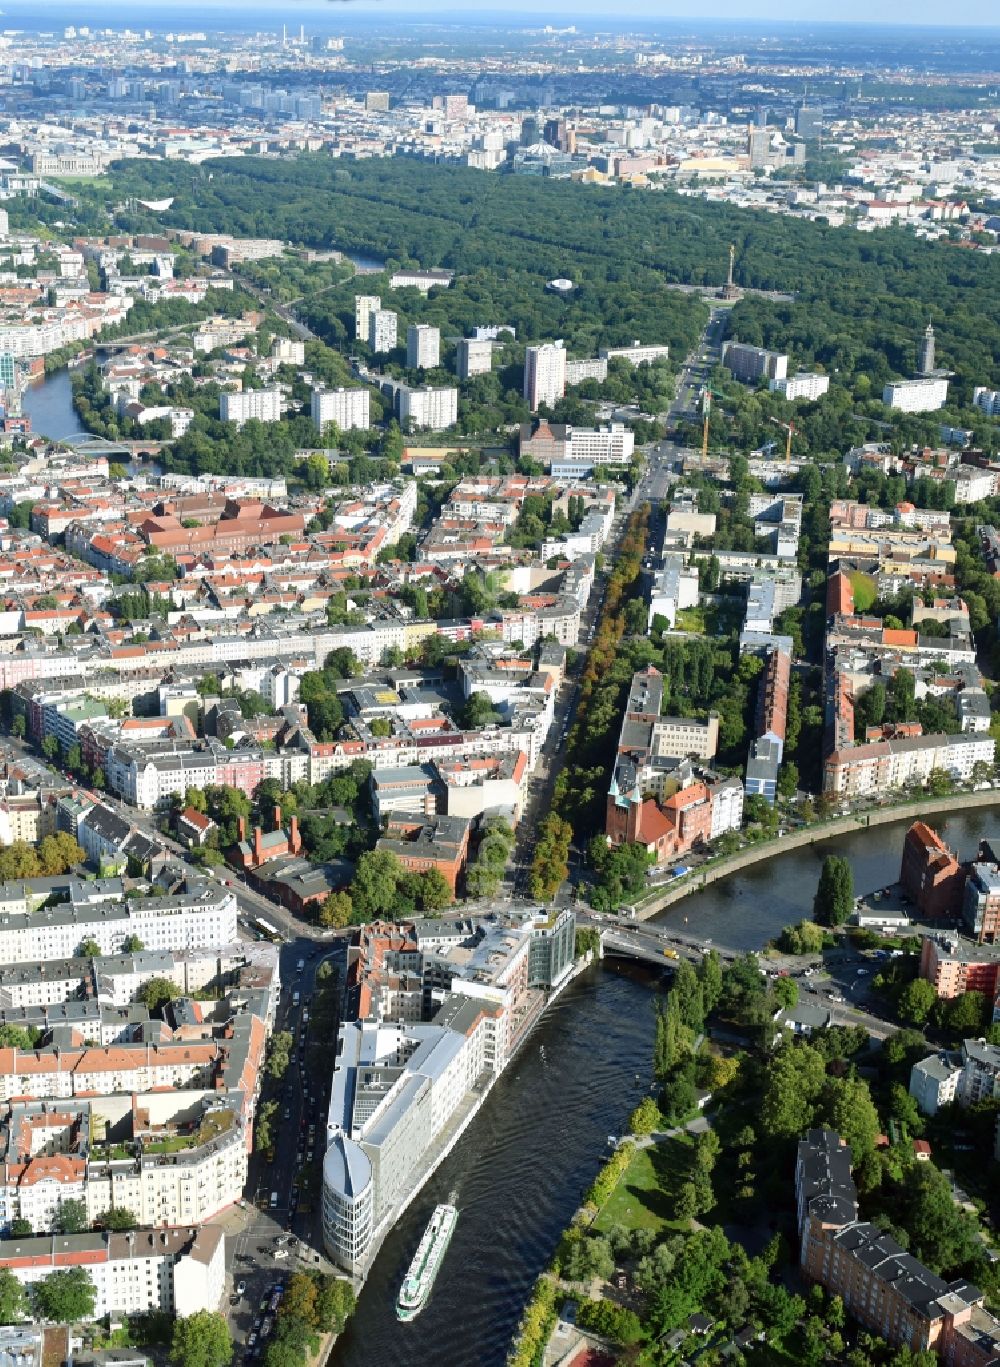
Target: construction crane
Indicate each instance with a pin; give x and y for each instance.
(789, 430)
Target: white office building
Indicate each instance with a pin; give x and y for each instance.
(544, 374)
(586, 448)
(423, 346)
(348, 408)
(428, 407)
(383, 325)
(262, 404)
(402, 1084)
(917, 396)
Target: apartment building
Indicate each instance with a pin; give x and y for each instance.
(637, 354)
(883, 765)
(176, 1272)
(676, 587)
(882, 1286)
(287, 351)
(987, 400)
(349, 409)
(262, 404)
(428, 407)
(474, 356)
(802, 385)
(767, 751)
(382, 330)
(423, 346)
(967, 1077)
(56, 1073)
(981, 897)
(934, 1082)
(954, 964)
(753, 363)
(201, 915)
(364, 306)
(544, 374)
(184, 1171)
(594, 369)
(487, 786)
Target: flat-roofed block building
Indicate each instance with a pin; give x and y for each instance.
(544, 374)
(954, 964)
(474, 356)
(439, 1006)
(752, 363)
(916, 396)
(383, 325)
(350, 409)
(264, 405)
(423, 346)
(364, 306)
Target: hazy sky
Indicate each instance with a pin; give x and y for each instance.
(984, 12)
(958, 12)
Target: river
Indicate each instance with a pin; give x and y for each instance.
(49, 405)
(518, 1174)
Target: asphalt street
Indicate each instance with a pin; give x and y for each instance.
(256, 1259)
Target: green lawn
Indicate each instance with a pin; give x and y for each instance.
(80, 180)
(643, 1198)
(690, 619)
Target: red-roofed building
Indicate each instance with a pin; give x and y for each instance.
(839, 595)
(930, 874)
(194, 827)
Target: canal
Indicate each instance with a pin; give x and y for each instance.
(49, 405)
(518, 1174)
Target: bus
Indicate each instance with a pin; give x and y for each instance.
(269, 931)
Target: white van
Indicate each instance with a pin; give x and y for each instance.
(295, 999)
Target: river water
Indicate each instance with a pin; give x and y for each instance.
(519, 1172)
(49, 405)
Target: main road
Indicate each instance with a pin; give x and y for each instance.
(653, 488)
